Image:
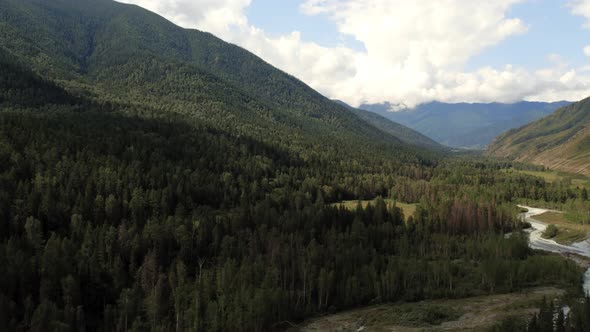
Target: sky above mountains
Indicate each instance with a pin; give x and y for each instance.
(408, 52)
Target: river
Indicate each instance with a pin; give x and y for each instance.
(536, 241)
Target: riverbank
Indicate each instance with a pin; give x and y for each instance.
(568, 232)
(579, 252)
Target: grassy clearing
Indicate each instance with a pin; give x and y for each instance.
(408, 209)
(469, 314)
(567, 232)
(576, 180)
(548, 176)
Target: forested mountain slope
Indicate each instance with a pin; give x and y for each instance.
(560, 141)
(124, 51)
(466, 125)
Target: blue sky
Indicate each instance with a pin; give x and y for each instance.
(282, 17)
(405, 51)
(552, 30)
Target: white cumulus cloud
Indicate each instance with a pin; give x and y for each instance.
(581, 8)
(207, 15)
(415, 51)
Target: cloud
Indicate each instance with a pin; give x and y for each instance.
(415, 51)
(581, 8)
(207, 15)
(587, 50)
(433, 32)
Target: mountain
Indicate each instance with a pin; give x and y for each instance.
(154, 178)
(465, 125)
(405, 134)
(150, 174)
(120, 52)
(560, 141)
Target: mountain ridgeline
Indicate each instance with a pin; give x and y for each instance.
(559, 141)
(157, 178)
(466, 125)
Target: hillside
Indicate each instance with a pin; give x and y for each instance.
(405, 134)
(125, 52)
(466, 125)
(559, 141)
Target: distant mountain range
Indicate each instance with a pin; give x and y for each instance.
(465, 125)
(559, 141)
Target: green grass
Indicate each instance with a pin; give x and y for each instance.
(550, 232)
(550, 176)
(408, 209)
(567, 231)
(581, 182)
(578, 216)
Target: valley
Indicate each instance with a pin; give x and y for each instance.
(159, 178)
(465, 125)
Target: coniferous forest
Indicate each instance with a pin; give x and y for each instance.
(185, 185)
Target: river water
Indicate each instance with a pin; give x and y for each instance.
(536, 241)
